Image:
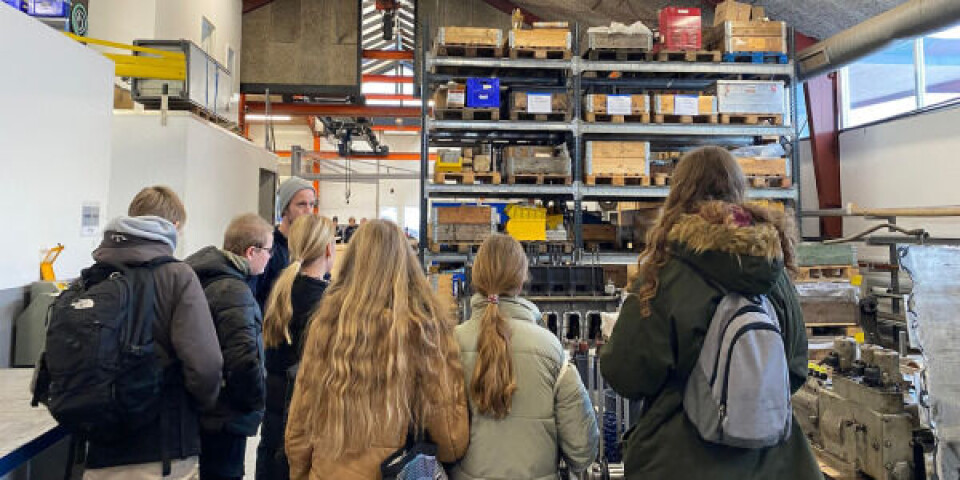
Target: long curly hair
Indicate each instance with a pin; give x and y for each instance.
(499, 269)
(707, 174)
(380, 349)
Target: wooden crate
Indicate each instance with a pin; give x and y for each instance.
(601, 103)
(527, 160)
(559, 106)
(491, 37)
(601, 233)
(464, 215)
(482, 163)
(763, 167)
(450, 96)
(540, 38)
(731, 10)
(619, 41)
(618, 158)
(665, 104)
(461, 233)
(753, 36)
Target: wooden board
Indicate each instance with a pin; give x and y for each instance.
(754, 29)
(555, 38)
(464, 215)
(767, 167)
(517, 165)
(602, 149)
(540, 117)
(597, 103)
(492, 37)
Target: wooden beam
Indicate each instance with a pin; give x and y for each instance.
(344, 110)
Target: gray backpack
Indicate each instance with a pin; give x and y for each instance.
(739, 391)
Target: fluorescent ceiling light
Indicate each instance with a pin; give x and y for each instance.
(275, 118)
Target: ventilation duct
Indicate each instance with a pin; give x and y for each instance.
(911, 19)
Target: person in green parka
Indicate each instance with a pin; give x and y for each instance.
(706, 240)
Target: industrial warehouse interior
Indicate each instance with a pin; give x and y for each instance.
(480, 239)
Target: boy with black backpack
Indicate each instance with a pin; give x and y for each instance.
(224, 274)
(131, 354)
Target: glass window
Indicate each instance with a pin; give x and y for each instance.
(803, 125)
(207, 32)
(411, 221)
(881, 85)
(941, 60)
(389, 213)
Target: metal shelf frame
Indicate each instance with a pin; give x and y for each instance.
(577, 131)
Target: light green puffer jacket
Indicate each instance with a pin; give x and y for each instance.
(551, 413)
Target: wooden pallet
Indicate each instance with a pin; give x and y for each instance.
(467, 114)
(750, 119)
(769, 182)
(618, 54)
(466, 178)
(540, 53)
(539, 179)
(829, 331)
(547, 245)
(661, 179)
(664, 118)
(540, 117)
(618, 180)
(827, 273)
(605, 118)
(459, 247)
(472, 51)
(686, 56)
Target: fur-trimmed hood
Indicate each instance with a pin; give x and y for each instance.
(731, 246)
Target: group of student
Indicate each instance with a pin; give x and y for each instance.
(358, 361)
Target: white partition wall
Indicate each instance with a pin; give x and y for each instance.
(215, 172)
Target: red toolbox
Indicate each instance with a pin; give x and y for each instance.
(680, 28)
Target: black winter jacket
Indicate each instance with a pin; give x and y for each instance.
(305, 295)
(279, 259)
(239, 324)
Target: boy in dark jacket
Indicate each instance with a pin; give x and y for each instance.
(185, 339)
(224, 274)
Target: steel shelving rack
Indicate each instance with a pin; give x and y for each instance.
(569, 75)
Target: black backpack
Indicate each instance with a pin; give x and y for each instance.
(99, 374)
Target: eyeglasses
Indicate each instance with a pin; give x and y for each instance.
(267, 250)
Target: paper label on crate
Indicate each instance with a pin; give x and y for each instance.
(618, 105)
(539, 103)
(456, 98)
(686, 104)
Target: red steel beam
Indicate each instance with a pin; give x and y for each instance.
(343, 110)
(823, 116)
(388, 54)
(387, 96)
(370, 78)
(507, 7)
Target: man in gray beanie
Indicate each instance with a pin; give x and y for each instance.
(295, 197)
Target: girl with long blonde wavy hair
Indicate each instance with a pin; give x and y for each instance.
(295, 295)
(529, 407)
(379, 360)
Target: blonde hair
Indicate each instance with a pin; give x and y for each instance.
(380, 350)
(245, 231)
(160, 201)
(499, 269)
(703, 175)
(309, 237)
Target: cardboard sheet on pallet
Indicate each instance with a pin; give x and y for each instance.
(670, 104)
(464, 215)
(492, 37)
(553, 38)
(617, 158)
(616, 104)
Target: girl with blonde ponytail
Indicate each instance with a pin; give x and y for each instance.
(294, 297)
(529, 408)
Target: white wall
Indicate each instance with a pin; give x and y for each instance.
(123, 21)
(57, 98)
(183, 19)
(910, 162)
(809, 227)
(215, 172)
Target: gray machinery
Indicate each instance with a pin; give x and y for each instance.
(859, 412)
(30, 327)
(207, 87)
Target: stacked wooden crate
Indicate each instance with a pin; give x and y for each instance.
(469, 42)
(537, 164)
(463, 226)
(617, 163)
(828, 284)
(765, 172)
(684, 108)
(601, 107)
(546, 40)
(604, 43)
(748, 36)
(540, 105)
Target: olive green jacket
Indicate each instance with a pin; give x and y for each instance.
(650, 357)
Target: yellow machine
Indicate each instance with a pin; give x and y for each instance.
(46, 266)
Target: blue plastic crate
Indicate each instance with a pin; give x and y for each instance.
(756, 57)
(483, 92)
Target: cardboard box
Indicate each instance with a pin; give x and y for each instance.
(753, 36)
(731, 10)
(555, 38)
(616, 104)
(492, 37)
(482, 163)
(751, 96)
(617, 158)
(666, 104)
(464, 215)
(758, 13)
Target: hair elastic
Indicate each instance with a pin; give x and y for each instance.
(494, 299)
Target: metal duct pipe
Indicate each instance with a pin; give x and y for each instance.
(911, 19)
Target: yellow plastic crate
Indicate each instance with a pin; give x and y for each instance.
(527, 224)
